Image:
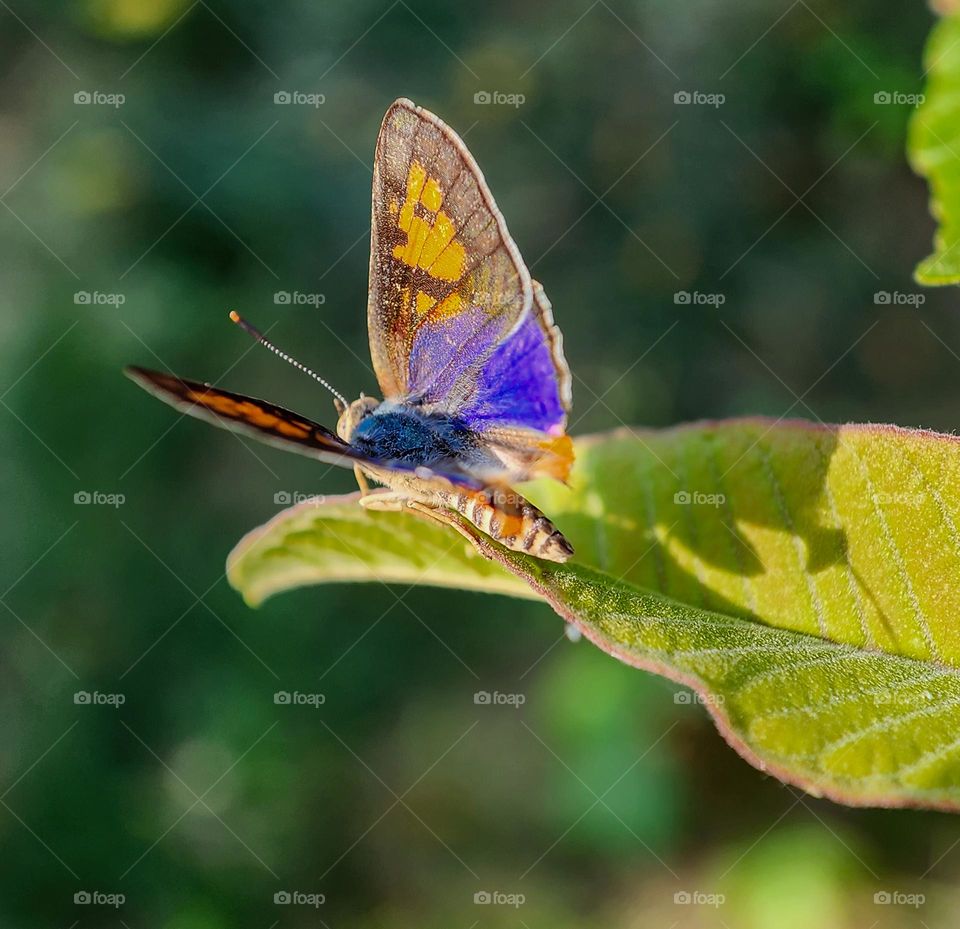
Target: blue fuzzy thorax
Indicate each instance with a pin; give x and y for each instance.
(402, 433)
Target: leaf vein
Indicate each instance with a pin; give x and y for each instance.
(921, 619)
(816, 604)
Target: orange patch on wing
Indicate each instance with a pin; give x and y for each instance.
(450, 258)
(290, 429)
(441, 235)
(419, 233)
(449, 306)
(557, 458)
(416, 178)
(405, 297)
(424, 303)
(430, 241)
(248, 412)
(431, 197)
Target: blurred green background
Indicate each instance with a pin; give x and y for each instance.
(606, 793)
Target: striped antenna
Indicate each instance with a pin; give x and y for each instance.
(263, 340)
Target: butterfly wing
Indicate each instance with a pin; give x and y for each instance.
(456, 324)
(447, 283)
(281, 428)
(256, 418)
(523, 397)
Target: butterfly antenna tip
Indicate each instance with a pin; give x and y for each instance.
(235, 317)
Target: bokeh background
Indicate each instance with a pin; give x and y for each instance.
(605, 793)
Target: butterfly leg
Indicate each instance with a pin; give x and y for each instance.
(389, 501)
(362, 482)
(446, 518)
(395, 502)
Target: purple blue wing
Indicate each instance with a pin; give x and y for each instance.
(520, 397)
(456, 324)
(523, 397)
(525, 381)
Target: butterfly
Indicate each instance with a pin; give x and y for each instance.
(464, 347)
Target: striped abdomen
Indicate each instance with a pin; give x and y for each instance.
(512, 521)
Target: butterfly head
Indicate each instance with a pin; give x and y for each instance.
(352, 415)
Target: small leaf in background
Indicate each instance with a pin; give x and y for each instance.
(798, 578)
(934, 149)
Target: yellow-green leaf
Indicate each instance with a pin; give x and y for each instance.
(803, 579)
(934, 149)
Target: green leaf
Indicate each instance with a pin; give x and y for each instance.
(336, 539)
(799, 578)
(934, 149)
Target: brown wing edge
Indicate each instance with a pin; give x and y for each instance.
(259, 419)
(388, 380)
(544, 313)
